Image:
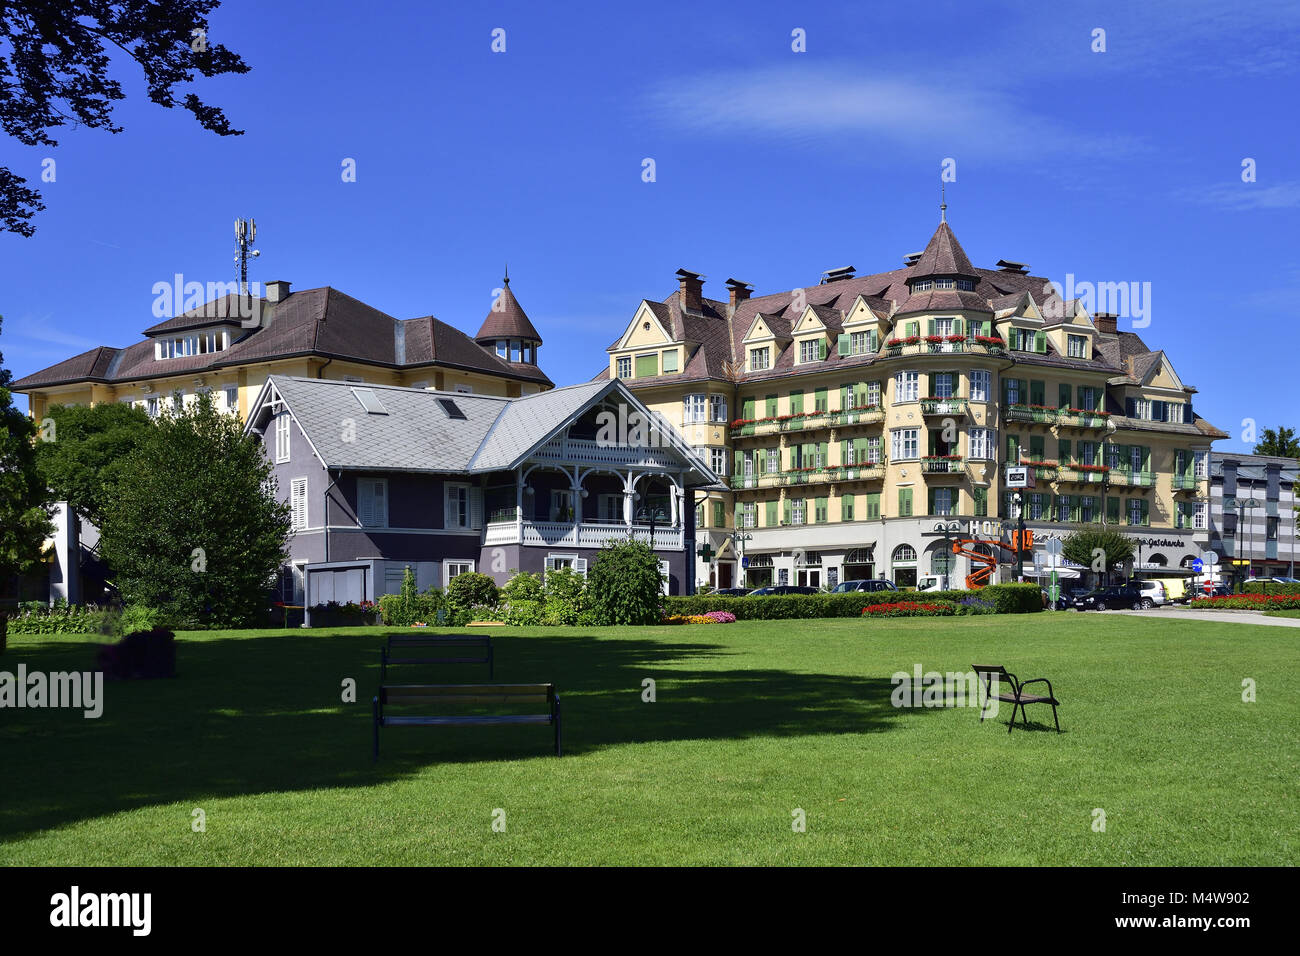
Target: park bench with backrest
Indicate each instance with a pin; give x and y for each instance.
(1017, 697)
(440, 701)
(436, 649)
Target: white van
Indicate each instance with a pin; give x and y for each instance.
(929, 582)
(1153, 593)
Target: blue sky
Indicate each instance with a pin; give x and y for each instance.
(771, 166)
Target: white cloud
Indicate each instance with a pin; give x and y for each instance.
(1239, 196)
(941, 116)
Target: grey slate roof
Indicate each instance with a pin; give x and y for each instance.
(417, 434)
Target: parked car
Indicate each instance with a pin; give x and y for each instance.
(1284, 580)
(784, 589)
(1113, 597)
(873, 584)
(1067, 595)
(1220, 590)
(732, 592)
(1153, 594)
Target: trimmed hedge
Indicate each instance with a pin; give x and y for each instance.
(1269, 587)
(1005, 598)
(60, 619)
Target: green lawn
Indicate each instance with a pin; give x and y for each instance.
(752, 721)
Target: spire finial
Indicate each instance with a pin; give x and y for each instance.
(507, 278)
(943, 205)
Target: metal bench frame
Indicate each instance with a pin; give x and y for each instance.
(408, 694)
(1017, 698)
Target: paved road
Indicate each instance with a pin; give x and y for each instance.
(1218, 617)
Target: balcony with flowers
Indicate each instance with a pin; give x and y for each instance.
(1081, 418)
(1125, 474)
(951, 406)
(943, 465)
(1083, 474)
(1037, 414)
(816, 475)
(806, 421)
(944, 345)
(1186, 483)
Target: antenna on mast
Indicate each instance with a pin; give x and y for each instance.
(943, 203)
(245, 236)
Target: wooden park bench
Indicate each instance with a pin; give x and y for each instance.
(443, 697)
(464, 650)
(1017, 696)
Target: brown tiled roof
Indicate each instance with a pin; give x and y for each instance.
(324, 322)
(506, 319)
(228, 307)
(943, 256)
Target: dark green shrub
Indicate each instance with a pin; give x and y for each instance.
(1014, 598)
(524, 613)
(566, 597)
(409, 606)
(472, 589)
(523, 587)
(1025, 597)
(625, 586)
(1269, 587)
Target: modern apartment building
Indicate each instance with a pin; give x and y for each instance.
(867, 421)
(231, 345)
(1253, 516)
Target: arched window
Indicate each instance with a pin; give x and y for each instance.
(904, 554)
(1159, 560)
(941, 561)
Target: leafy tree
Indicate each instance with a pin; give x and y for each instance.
(54, 70)
(566, 597)
(196, 528)
(83, 454)
(24, 520)
(624, 585)
(1090, 546)
(1281, 443)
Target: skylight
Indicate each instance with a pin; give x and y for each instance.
(370, 401)
(452, 409)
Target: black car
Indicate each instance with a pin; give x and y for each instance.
(732, 592)
(785, 589)
(1066, 598)
(1114, 597)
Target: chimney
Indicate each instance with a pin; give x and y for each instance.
(691, 289)
(1106, 322)
(1007, 265)
(277, 291)
(739, 292)
(836, 275)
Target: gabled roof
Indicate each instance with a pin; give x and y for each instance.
(417, 434)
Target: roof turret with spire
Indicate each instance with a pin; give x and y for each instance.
(507, 323)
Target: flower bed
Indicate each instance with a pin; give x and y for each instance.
(1251, 602)
(911, 609)
(712, 617)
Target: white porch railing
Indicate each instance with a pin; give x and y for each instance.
(585, 450)
(585, 535)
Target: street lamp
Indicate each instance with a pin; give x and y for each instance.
(651, 516)
(946, 528)
(1248, 504)
(1020, 536)
(738, 539)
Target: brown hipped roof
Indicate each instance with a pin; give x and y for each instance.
(323, 322)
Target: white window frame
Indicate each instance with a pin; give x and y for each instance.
(571, 561)
(623, 366)
(979, 385)
(718, 461)
(282, 438)
(945, 502)
(298, 505)
(907, 387)
(810, 350)
(718, 409)
(905, 444)
(466, 565)
(760, 359)
(231, 395)
(695, 408)
(1200, 464)
(980, 443)
(945, 384)
(469, 503)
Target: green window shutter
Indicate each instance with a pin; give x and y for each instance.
(1037, 393)
(844, 397)
(980, 498)
(719, 515)
(842, 343)
(822, 398)
(740, 463)
(846, 507)
(823, 510)
(929, 385)
(821, 348)
(1179, 464)
(1146, 515)
(1064, 392)
(844, 451)
(796, 403)
(1078, 397)
(747, 408)
(1040, 341)
(771, 406)
(930, 501)
(785, 514)
(1036, 447)
(873, 505)
(1112, 510)
(699, 515)
(956, 327)
(1146, 458)
(1064, 454)
(873, 341)
(823, 451)
(929, 326)
(740, 513)
(1013, 449)
(770, 518)
(904, 502)
(647, 365)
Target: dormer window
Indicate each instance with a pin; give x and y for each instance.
(503, 348)
(198, 343)
(923, 285)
